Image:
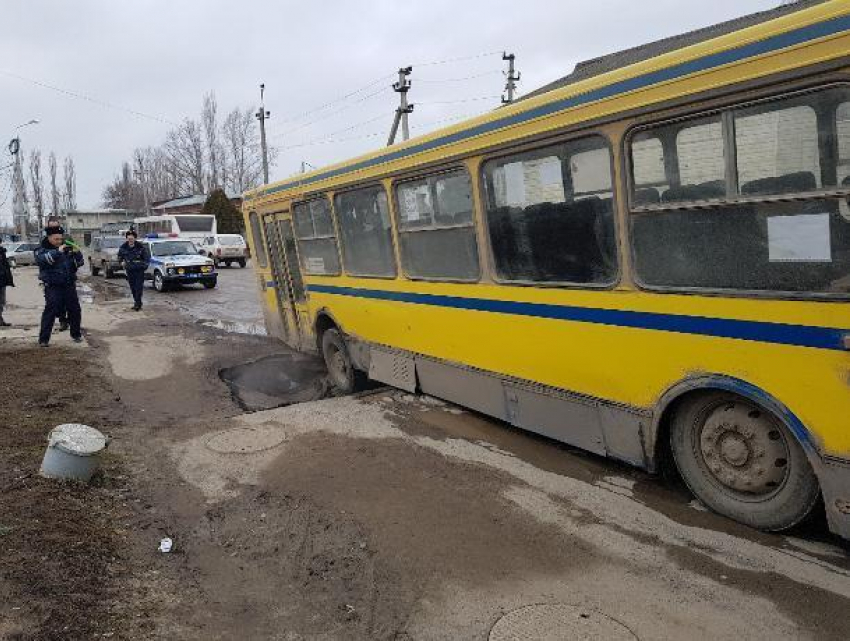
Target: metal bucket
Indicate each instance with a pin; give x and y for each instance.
(72, 452)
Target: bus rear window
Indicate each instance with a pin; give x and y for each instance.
(194, 223)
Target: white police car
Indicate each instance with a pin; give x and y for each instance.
(176, 261)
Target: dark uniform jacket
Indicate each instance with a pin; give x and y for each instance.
(135, 258)
(57, 267)
(6, 278)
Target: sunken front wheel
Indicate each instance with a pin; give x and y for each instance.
(742, 461)
(343, 376)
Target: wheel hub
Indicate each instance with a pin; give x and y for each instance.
(743, 449)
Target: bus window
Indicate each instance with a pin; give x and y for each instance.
(316, 238)
(257, 236)
(550, 214)
(699, 152)
(682, 162)
(786, 146)
(436, 229)
(842, 126)
(194, 223)
(648, 169)
(366, 238)
(777, 150)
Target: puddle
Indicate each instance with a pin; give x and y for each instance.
(275, 381)
(235, 327)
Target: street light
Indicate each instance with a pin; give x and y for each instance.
(34, 121)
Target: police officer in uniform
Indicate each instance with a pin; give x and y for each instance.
(6, 280)
(135, 258)
(57, 269)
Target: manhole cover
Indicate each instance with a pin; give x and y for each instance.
(244, 440)
(556, 622)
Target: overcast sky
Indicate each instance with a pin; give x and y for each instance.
(158, 57)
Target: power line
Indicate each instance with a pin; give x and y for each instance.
(475, 77)
(331, 114)
(330, 139)
(460, 59)
(459, 100)
(81, 96)
(330, 103)
(376, 81)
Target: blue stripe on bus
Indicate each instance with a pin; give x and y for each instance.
(768, 45)
(779, 333)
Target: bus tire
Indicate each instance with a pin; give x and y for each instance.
(742, 461)
(341, 371)
(93, 269)
(242, 263)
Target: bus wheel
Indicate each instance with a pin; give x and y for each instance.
(742, 461)
(93, 268)
(344, 377)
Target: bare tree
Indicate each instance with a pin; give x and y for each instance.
(209, 118)
(125, 192)
(184, 147)
(243, 153)
(54, 187)
(37, 185)
(70, 194)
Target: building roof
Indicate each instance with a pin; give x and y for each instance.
(188, 201)
(610, 62)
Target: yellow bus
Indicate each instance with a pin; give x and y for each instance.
(652, 262)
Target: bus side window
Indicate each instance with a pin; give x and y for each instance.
(436, 229)
(366, 238)
(314, 230)
(842, 130)
(550, 214)
(257, 239)
(742, 236)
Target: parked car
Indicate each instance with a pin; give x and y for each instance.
(21, 254)
(176, 262)
(225, 248)
(103, 255)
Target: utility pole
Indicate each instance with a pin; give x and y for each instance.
(140, 174)
(262, 116)
(20, 211)
(401, 87)
(511, 78)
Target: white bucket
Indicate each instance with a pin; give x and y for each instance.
(72, 452)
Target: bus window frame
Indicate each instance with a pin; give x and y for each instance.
(726, 111)
(521, 147)
(342, 262)
(396, 212)
(329, 197)
(259, 252)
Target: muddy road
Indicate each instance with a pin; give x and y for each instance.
(299, 515)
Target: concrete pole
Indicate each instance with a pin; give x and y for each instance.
(263, 115)
(511, 79)
(401, 87)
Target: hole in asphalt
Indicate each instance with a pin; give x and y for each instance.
(277, 380)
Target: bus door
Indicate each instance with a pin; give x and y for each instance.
(276, 260)
(296, 292)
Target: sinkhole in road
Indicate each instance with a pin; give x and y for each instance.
(277, 380)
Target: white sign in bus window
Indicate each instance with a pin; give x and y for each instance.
(316, 265)
(801, 238)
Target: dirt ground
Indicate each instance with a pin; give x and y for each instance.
(380, 516)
